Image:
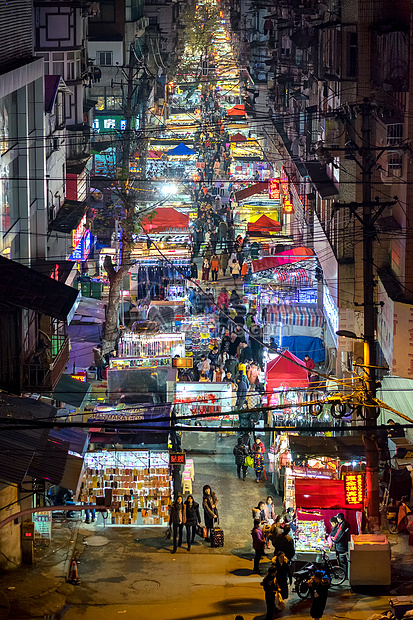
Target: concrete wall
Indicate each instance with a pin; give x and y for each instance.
(10, 547)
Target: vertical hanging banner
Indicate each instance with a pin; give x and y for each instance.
(274, 189)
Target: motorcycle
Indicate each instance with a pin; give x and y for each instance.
(334, 573)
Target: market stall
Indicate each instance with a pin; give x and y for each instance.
(139, 481)
(321, 476)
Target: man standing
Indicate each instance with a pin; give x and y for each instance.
(98, 361)
(341, 537)
(240, 452)
(309, 363)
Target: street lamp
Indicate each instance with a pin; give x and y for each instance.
(169, 190)
(347, 334)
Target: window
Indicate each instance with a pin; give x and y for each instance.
(113, 103)
(153, 20)
(394, 133)
(352, 55)
(104, 59)
(395, 164)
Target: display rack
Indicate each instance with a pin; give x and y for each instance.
(159, 345)
(139, 481)
(310, 536)
(200, 332)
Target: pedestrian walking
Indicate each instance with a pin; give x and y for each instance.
(223, 299)
(284, 575)
(192, 520)
(270, 585)
(235, 270)
(258, 451)
(214, 267)
(205, 270)
(98, 361)
(319, 586)
(194, 271)
(282, 541)
(258, 545)
(223, 259)
(240, 452)
(223, 229)
(209, 504)
(214, 240)
(242, 390)
(177, 518)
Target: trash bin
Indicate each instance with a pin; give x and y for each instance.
(96, 289)
(85, 288)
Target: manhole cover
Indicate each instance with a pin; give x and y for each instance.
(146, 584)
(96, 541)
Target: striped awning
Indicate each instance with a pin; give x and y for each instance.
(295, 315)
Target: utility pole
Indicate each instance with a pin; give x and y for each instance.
(370, 413)
(371, 211)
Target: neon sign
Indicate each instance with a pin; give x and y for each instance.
(354, 488)
(274, 189)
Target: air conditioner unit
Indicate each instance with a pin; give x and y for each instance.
(142, 23)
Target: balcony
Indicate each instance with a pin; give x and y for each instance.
(40, 376)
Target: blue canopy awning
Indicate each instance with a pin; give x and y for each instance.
(181, 149)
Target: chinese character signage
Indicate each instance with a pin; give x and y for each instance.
(177, 458)
(274, 189)
(354, 488)
(43, 526)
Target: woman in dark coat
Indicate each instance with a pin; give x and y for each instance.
(192, 520)
(209, 504)
(319, 586)
(177, 519)
(283, 573)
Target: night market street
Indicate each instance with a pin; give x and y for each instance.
(206, 299)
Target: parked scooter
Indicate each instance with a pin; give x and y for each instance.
(334, 573)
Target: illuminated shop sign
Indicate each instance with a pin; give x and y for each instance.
(274, 189)
(354, 488)
(330, 310)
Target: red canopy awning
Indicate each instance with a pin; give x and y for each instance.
(282, 371)
(288, 257)
(238, 137)
(251, 190)
(236, 110)
(264, 223)
(155, 154)
(166, 219)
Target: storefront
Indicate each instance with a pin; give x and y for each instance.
(201, 405)
(138, 480)
(138, 346)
